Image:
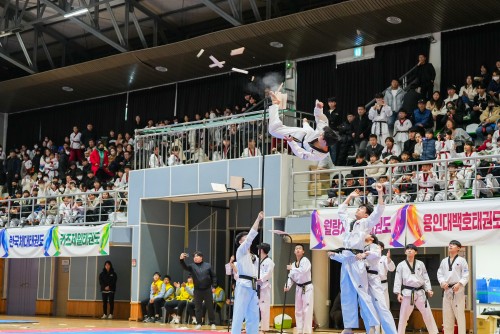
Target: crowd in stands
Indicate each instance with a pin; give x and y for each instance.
(407, 125)
(176, 298)
(78, 181)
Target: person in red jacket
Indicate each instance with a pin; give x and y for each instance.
(99, 162)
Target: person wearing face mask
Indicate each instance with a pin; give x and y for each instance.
(494, 86)
(79, 177)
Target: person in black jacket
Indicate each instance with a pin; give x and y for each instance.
(425, 74)
(204, 280)
(107, 280)
(335, 119)
(362, 129)
(12, 170)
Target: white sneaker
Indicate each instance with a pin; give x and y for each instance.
(110, 316)
(104, 316)
(176, 320)
(213, 327)
(197, 327)
(194, 322)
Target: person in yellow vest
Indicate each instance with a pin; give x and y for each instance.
(167, 296)
(183, 295)
(219, 297)
(156, 292)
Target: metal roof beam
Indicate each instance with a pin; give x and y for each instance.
(255, 10)
(86, 27)
(15, 62)
(154, 17)
(221, 13)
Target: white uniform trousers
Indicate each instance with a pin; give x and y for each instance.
(246, 307)
(377, 293)
(407, 309)
(454, 308)
(354, 284)
(304, 302)
(265, 307)
(278, 130)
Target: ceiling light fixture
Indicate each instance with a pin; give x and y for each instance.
(76, 12)
(393, 20)
(67, 88)
(161, 68)
(277, 45)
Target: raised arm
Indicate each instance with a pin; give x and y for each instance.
(243, 248)
(374, 218)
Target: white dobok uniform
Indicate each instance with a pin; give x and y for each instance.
(412, 283)
(453, 272)
(304, 294)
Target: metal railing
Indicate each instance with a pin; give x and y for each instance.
(210, 140)
(90, 208)
(329, 188)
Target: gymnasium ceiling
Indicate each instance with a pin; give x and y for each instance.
(116, 46)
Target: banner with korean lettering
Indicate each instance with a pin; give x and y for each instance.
(423, 224)
(24, 242)
(48, 241)
(72, 241)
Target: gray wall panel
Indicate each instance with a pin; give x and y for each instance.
(77, 278)
(136, 250)
(45, 278)
(298, 225)
(248, 168)
(184, 180)
(157, 182)
(176, 247)
(153, 255)
(92, 278)
(212, 172)
(121, 235)
(154, 211)
(272, 186)
(136, 192)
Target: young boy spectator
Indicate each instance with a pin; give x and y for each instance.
(401, 128)
(362, 127)
(173, 159)
(469, 164)
(376, 169)
(373, 146)
(425, 181)
(379, 114)
(428, 146)
(404, 190)
(360, 162)
(389, 150)
(452, 186)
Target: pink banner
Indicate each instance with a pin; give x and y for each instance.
(431, 224)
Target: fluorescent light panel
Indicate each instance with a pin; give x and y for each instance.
(76, 12)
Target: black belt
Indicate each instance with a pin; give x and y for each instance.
(383, 281)
(301, 142)
(450, 286)
(413, 289)
(374, 272)
(352, 250)
(250, 278)
(303, 286)
(379, 121)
